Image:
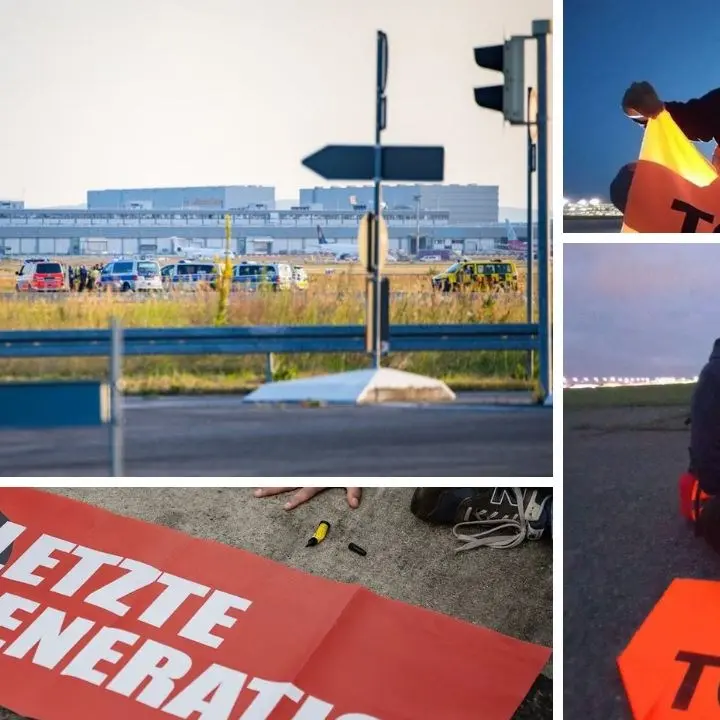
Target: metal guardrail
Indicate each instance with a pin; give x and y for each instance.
(265, 340)
(101, 404)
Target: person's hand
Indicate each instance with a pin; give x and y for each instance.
(641, 99)
(304, 494)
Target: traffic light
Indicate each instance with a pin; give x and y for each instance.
(509, 99)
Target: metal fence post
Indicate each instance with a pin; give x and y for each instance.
(116, 399)
(269, 367)
(542, 30)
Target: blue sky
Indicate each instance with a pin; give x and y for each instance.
(608, 45)
(639, 310)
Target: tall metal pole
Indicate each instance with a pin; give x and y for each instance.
(382, 62)
(116, 409)
(541, 31)
(529, 258)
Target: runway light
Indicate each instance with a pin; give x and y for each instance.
(627, 381)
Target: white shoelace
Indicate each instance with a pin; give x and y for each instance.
(495, 532)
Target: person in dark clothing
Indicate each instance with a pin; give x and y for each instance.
(700, 488)
(699, 119)
(83, 278)
(705, 425)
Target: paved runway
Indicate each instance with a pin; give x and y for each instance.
(592, 224)
(624, 542)
(219, 436)
(506, 590)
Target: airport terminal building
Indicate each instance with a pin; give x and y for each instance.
(466, 204)
(188, 198)
(154, 220)
(12, 205)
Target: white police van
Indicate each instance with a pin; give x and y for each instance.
(253, 276)
(130, 275)
(189, 275)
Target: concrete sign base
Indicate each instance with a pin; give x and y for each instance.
(356, 388)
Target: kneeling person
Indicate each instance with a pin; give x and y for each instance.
(700, 490)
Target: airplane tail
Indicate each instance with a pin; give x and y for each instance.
(321, 236)
(511, 234)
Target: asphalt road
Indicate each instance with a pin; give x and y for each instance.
(506, 590)
(220, 436)
(624, 542)
(592, 224)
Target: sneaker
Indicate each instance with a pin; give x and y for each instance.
(500, 517)
(441, 506)
(504, 518)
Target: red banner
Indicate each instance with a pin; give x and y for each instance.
(674, 189)
(103, 616)
(671, 667)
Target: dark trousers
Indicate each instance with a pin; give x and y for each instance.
(709, 482)
(620, 186)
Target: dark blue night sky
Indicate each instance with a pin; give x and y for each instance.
(607, 45)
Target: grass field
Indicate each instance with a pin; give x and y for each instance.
(331, 299)
(642, 396)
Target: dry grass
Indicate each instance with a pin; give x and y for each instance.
(335, 299)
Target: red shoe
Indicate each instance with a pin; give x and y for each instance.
(691, 496)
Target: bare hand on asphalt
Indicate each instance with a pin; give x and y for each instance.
(304, 494)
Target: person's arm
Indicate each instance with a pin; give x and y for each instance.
(699, 118)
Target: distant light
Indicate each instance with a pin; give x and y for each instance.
(582, 202)
(594, 201)
(627, 381)
(566, 201)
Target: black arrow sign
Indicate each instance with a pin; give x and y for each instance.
(400, 163)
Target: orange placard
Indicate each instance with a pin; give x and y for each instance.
(103, 616)
(675, 189)
(671, 667)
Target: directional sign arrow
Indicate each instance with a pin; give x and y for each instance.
(400, 163)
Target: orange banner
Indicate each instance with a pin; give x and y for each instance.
(103, 616)
(674, 188)
(671, 667)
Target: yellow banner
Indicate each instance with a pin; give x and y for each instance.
(674, 186)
